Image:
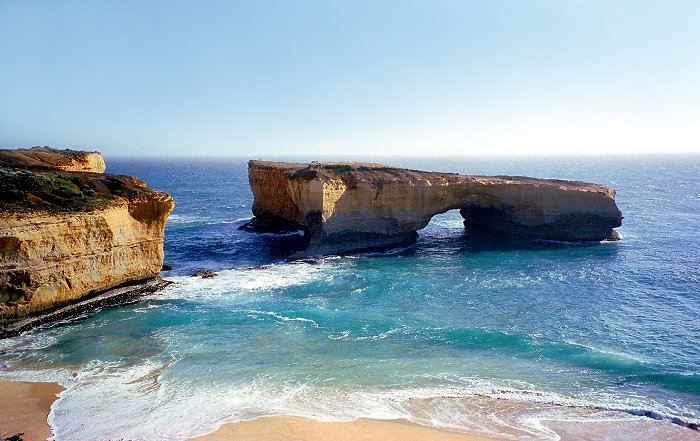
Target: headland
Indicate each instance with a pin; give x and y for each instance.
(68, 232)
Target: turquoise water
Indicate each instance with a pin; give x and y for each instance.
(454, 331)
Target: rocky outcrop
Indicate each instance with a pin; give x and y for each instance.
(45, 157)
(65, 235)
(351, 206)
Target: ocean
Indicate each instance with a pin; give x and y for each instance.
(539, 340)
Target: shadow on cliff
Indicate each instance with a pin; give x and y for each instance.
(274, 247)
(466, 243)
(440, 238)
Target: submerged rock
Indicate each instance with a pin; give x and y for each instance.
(355, 206)
(65, 235)
(205, 274)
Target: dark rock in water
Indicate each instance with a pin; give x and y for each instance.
(122, 295)
(349, 242)
(166, 267)
(205, 274)
(270, 224)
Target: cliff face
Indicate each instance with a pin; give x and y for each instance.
(65, 235)
(348, 206)
(66, 160)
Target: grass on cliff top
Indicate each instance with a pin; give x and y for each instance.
(30, 190)
(346, 167)
(351, 173)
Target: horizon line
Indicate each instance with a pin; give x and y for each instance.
(408, 155)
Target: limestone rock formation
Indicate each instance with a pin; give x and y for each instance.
(45, 157)
(65, 235)
(352, 206)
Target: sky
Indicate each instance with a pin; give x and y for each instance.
(377, 77)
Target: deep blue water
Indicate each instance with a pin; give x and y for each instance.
(454, 331)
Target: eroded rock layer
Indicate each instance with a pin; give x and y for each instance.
(65, 235)
(66, 160)
(351, 206)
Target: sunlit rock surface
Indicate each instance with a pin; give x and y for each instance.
(66, 160)
(68, 234)
(353, 206)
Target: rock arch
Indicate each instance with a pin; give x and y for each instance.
(353, 206)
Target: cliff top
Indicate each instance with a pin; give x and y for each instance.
(46, 157)
(43, 179)
(352, 173)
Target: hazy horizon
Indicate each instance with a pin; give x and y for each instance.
(350, 156)
(351, 79)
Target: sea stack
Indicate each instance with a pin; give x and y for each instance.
(68, 231)
(346, 207)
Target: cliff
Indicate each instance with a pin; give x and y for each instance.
(352, 206)
(65, 235)
(45, 157)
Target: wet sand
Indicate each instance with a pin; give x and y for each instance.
(302, 429)
(24, 408)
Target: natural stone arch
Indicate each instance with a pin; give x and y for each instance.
(350, 206)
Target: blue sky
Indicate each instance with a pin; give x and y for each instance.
(351, 77)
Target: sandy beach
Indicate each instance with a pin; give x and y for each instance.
(284, 428)
(27, 410)
(25, 407)
(301, 429)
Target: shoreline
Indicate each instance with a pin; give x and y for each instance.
(27, 410)
(27, 414)
(282, 428)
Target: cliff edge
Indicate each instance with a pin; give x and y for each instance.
(68, 231)
(353, 206)
(46, 157)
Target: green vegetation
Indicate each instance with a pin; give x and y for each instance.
(339, 168)
(59, 191)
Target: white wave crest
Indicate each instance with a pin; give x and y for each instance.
(240, 282)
